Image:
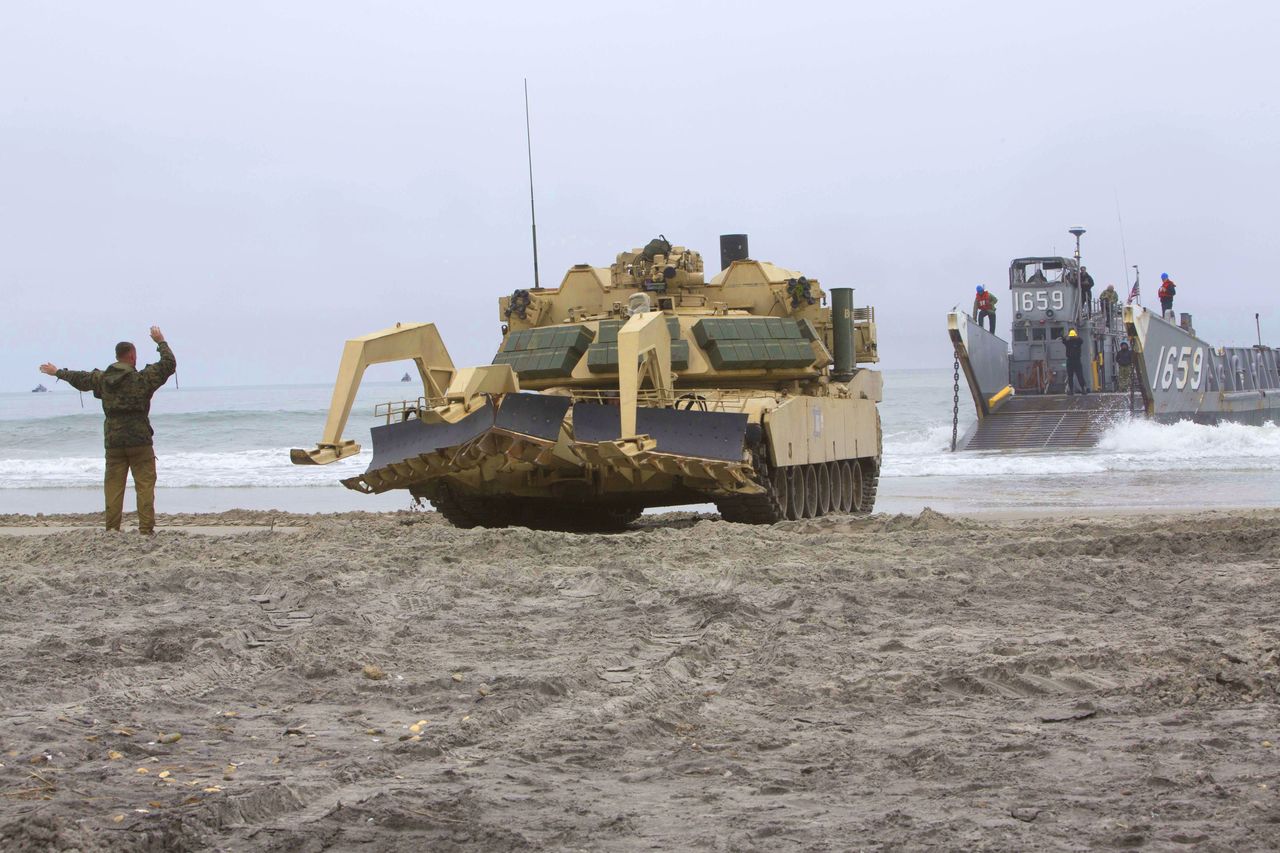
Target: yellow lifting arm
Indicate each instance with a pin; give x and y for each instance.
(419, 342)
(644, 351)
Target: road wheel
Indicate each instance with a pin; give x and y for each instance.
(810, 491)
(846, 485)
(796, 492)
(824, 488)
(837, 486)
(855, 486)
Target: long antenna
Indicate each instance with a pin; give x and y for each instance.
(1258, 323)
(1124, 254)
(533, 213)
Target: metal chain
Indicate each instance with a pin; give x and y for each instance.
(1132, 369)
(955, 403)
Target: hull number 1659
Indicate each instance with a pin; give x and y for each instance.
(1038, 300)
(1180, 367)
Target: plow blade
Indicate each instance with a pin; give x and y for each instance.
(678, 432)
(521, 428)
(535, 415)
(705, 449)
(397, 442)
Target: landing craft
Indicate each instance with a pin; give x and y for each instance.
(631, 386)
(1018, 390)
(1182, 377)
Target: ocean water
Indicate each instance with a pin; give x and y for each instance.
(1138, 464)
(225, 448)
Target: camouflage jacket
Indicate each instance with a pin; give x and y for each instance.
(125, 393)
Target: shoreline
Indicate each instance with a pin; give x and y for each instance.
(250, 520)
(1022, 496)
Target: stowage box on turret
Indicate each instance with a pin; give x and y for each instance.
(637, 385)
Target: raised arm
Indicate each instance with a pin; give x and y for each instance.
(81, 380)
(158, 373)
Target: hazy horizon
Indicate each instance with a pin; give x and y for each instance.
(266, 182)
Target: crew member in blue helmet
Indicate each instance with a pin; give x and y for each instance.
(1166, 293)
(984, 307)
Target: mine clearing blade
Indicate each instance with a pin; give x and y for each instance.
(676, 432)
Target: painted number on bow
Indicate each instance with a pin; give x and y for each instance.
(1180, 367)
(1040, 300)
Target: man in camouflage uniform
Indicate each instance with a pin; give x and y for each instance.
(1124, 360)
(1110, 300)
(125, 393)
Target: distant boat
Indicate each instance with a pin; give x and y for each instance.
(39, 389)
(404, 378)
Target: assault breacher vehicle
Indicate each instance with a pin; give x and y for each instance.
(632, 386)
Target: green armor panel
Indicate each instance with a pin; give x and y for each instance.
(602, 356)
(755, 343)
(544, 353)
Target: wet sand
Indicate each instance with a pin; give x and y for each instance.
(388, 682)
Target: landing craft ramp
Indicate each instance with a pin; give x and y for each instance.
(1049, 422)
(1024, 419)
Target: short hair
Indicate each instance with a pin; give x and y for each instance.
(123, 348)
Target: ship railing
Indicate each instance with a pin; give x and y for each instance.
(696, 399)
(401, 410)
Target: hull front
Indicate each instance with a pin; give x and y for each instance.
(1184, 378)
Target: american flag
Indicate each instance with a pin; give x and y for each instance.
(1133, 294)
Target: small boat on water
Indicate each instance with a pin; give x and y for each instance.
(405, 378)
(1019, 391)
(39, 389)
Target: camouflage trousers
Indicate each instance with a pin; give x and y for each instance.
(142, 462)
(1126, 376)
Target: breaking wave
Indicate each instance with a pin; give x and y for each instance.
(1128, 446)
(267, 468)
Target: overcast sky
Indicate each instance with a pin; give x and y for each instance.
(264, 180)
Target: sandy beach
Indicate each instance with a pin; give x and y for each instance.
(387, 682)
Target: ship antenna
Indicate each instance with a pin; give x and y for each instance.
(1257, 322)
(533, 213)
(1124, 254)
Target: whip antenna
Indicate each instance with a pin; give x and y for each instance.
(533, 213)
(1124, 254)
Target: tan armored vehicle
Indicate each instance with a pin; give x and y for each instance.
(632, 386)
